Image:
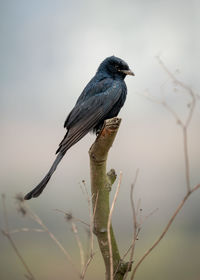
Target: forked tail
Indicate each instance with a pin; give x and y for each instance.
(40, 187)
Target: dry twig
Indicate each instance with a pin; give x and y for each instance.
(68, 214)
(165, 229)
(26, 230)
(24, 208)
(184, 125)
(37, 219)
(79, 243)
(92, 215)
(109, 224)
(71, 218)
(135, 226)
(6, 233)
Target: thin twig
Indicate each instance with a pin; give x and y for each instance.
(139, 226)
(130, 247)
(174, 114)
(6, 233)
(149, 215)
(185, 124)
(135, 224)
(26, 230)
(165, 229)
(86, 267)
(91, 254)
(186, 156)
(91, 214)
(78, 241)
(109, 225)
(52, 236)
(173, 77)
(92, 223)
(74, 218)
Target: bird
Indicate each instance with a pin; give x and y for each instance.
(101, 99)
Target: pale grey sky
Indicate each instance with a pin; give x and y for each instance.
(51, 49)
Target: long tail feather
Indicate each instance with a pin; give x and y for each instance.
(40, 187)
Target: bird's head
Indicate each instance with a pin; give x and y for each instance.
(115, 67)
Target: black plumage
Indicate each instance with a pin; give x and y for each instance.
(102, 99)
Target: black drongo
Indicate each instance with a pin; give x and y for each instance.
(101, 99)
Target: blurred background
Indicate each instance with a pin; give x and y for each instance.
(49, 51)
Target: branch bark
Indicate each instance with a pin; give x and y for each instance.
(101, 183)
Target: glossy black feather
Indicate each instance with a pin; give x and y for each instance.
(101, 99)
(91, 113)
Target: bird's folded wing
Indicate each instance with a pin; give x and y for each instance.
(90, 113)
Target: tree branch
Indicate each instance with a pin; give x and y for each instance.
(184, 125)
(178, 209)
(7, 234)
(101, 185)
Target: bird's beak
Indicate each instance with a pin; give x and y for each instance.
(128, 72)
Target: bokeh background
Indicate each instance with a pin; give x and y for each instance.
(49, 51)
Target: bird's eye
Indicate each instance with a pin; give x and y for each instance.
(117, 67)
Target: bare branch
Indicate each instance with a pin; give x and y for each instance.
(135, 225)
(188, 119)
(36, 218)
(6, 233)
(184, 126)
(92, 215)
(109, 224)
(72, 216)
(26, 230)
(165, 229)
(186, 156)
(78, 241)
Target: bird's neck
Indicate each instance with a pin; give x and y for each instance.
(114, 76)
